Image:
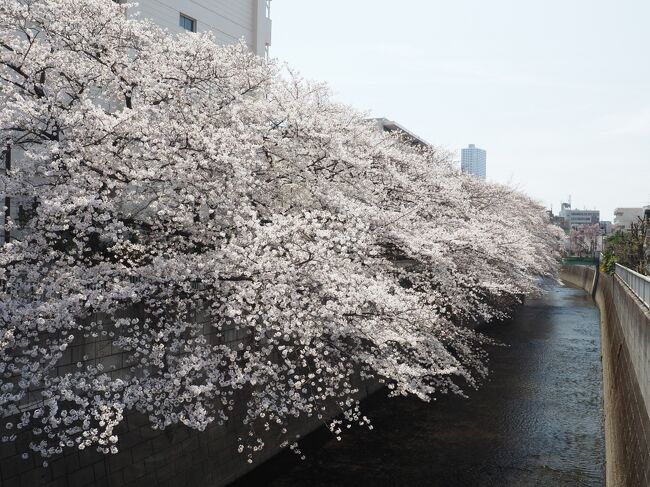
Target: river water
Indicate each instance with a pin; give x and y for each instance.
(536, 421)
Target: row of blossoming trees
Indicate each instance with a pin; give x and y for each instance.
(172, 175)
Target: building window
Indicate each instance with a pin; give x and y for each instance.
(188, 23)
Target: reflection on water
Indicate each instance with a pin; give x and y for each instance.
(537, 421)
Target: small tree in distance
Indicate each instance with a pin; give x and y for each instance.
(177, 178)
(630, 248)
(583, 240)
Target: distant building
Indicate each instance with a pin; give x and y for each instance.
(391, 126)
(606, 228)
(624, 217)
(583, 217)
(575, 218)
(472, 161)
(228, 20)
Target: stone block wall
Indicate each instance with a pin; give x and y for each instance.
(625, 339)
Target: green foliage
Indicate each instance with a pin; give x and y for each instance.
(629, 248)
(608, 263)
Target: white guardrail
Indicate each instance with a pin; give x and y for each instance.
(638, 284)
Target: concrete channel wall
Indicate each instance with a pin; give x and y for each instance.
(625, 341)
(178, 456)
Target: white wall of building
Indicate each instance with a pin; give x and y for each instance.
(229, 20)
(623, 217)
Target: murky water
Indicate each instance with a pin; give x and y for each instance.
(537, 421)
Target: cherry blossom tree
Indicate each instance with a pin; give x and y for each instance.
(176, 178)
(583, 240)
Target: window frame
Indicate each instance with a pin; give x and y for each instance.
(184, 18)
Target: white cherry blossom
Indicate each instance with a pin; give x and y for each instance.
(179, 183)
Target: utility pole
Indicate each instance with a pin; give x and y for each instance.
(7, 238)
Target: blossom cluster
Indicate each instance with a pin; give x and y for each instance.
(175, 178)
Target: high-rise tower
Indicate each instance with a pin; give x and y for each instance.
(473, 161)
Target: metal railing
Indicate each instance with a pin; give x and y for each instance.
(638, 284)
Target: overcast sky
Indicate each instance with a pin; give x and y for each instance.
(556, 91)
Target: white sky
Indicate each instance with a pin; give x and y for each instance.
(556, 91)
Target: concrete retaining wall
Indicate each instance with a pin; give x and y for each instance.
(625, 338)
(178, 456)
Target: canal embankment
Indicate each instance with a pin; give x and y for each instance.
(625, 339)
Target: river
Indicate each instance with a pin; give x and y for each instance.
(536, 421)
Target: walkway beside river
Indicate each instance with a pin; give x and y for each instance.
(537, 420)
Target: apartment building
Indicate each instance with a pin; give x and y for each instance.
(473, 161)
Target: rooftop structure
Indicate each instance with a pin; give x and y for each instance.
(391, 126)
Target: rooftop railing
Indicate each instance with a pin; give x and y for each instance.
(638, 284)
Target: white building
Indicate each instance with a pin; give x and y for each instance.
(473, 161)
(624, 217)
(229, 20)
(583, 217)
(575, 218)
